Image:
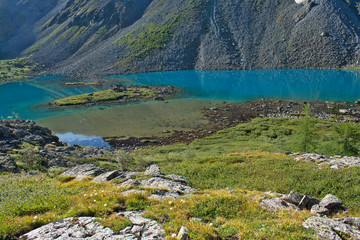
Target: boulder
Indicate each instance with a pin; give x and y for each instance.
(274, 204)
(141, 228)
(334, 229)
(319, 210)
(331, 202)
(302, 201)
(7, 164)
(162, 183)
(162, 195)
(73, 229)
(81, 171)
(153, 170)
(183, 234)
(89, 228)
(107, 176)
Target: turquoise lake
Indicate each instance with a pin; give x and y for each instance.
(29, 99)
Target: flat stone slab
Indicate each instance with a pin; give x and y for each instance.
(87, 228)
(82, 171)
(334, 229)
(72, 229)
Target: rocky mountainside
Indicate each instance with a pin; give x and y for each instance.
(84, 37)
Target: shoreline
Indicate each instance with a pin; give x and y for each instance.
(229, 114)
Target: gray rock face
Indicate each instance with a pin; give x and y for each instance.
(153, 170)
(274, 204)
(107, 176)
(141, 228)
(330, 201)
(72, 229)
(15, 132)
(328, 205)
(163, 183)
(7, 163)
(317, 209)
(177, 178)
(82, 171)
(216, 35)
(334, 229)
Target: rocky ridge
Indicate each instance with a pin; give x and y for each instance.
(167, 186)
(82, 38)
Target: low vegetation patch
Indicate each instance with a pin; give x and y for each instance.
(126, 94)
(16, 69)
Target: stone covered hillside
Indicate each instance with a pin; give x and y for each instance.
(116, 36)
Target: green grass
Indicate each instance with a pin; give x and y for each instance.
(245, 158)
(16, 69)
(106, 96)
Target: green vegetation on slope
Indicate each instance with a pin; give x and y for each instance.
(107, 96)
(16, 69)
(153, 37)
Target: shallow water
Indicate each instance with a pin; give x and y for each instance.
(29, 99)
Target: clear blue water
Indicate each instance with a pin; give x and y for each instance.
(28, 100)
(334, 85)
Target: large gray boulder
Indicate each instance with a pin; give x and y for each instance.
(81, 171)
(330, 202)
(334, 229)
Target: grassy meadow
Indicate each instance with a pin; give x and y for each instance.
(231, 170)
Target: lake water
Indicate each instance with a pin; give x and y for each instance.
(28, 100)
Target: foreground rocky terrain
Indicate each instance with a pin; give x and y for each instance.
(118, 202)
(81, 38)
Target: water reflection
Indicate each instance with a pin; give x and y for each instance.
(83, 140)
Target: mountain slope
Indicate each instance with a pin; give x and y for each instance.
(83, 37)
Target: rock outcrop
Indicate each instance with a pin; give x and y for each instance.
(334, 229)
(15, 132)
(116, 36)
(89, 228)
(330, 204)
(335, 162)
(82, 171)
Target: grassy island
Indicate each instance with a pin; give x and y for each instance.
(118, 93)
